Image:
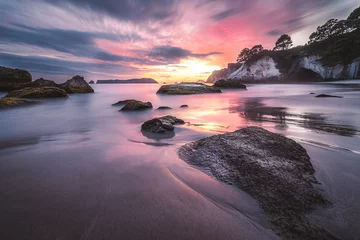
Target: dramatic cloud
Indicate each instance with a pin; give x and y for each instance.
(166, 39)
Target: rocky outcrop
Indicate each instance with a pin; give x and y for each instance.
(217, 74)
(38, 92)
(262, 69)
(229, 84)
(163, 108)
(76, 85)
(37, 83)
(275, 170)
(133, 105)
(161, 125)
(187, 88)
(6, 102)
(9, 78)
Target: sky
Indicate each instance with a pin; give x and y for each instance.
(168, 40)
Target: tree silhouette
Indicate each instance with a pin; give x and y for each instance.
(284, 42)
(247, 53)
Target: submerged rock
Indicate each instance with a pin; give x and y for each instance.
(163, 108)
(184, 106)
(38, 92)
(327, 96)
(275, 170)
(229, 84)
(163, 124)
(76, 85)
(188, 88)
(131, 105)
(9, 77)
(6, 102)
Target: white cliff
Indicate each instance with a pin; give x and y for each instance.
(312, 63)
(263, 69)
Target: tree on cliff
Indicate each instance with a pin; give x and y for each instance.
(355, 15)
(247, 53)
(283, 43)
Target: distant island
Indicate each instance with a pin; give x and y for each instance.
(127, 81)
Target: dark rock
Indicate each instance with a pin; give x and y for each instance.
(229, 84)
(163, 108)
(9, 77)
(161, 125)
(38, 92)
(128, 81)
(187, 88)
(123, 102)
(6, 102)
(275, 170)
(76, 85)
(327, 96)
(37, 83)
(312, 93)
(184, 106)
(131, 105)
(91, 82)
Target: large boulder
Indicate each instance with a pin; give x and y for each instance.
(163, 124)
(187, 88)
(132, 105)
(76, 85)
(38, 92)
(6, 102)
(229, 84)
(273, 169)
(37, 83)
(11, 77)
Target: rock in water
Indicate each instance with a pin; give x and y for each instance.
(13, 102)
(275, 170)
(184, 106)
(11, 77)
(229, 84)
(163, 108)
(187, 88)
(131, 105)
(37, 83)
(161, 125)
(327, 96)
(91, 82)
(38, 92)
(76, 85)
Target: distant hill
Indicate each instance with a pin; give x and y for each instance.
(134, 80)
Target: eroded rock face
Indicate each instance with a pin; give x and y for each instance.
(76, 85)
(6, 102)
(229, 84)
(38, 92)
(217, 74)
(187, 88)
(273, 169)
(9, 77)
(161, 125)
(132, 105)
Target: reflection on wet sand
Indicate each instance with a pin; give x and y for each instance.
(255, 110)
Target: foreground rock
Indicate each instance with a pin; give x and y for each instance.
(132, 105)
(38, 92)
(229, 84)
(327, 96)
(6, 102)
(273, 169)
(76, 85)
(161, 125)
(9, 77)
(187, 88)
(37, 83)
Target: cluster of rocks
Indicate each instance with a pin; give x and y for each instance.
(19, 84)
(135, 105)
